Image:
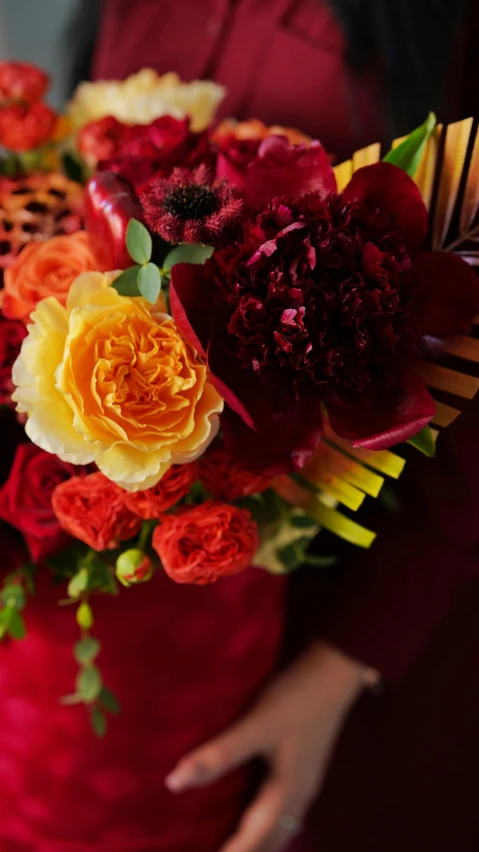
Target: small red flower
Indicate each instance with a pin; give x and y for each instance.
(101, 139)
(226, 478)
(209, 541)
(26, 126)
(20, 81)
(172, 487)
(188, 207)
(92, 509)
(26, 499)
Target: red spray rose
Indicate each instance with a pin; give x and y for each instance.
(188, 207)
(226, 478)
(92, 509)
(101, 139)
(26, 499)
(20, 81)
(208, 541)
(324, 300)
(26, 126)
(174, 485)
(12, 334)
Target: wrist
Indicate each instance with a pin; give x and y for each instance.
(345, 676)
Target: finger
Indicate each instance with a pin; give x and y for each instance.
(217, 757)
(263, 828)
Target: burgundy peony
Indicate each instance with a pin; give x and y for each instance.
(324, 300)
(26, 499)
(189, 207)
(12, 334)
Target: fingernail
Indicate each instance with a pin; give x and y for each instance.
(181, 778)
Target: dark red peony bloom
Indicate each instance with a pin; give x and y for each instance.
(20, 81)
(226, 478)
(324, 301)
(188, 207)
(145, 150)
(26, 126)
(92, 509)
(12, 334)
(26, 499)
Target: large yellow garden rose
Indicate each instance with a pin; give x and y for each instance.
(145, 96)
(108, 379)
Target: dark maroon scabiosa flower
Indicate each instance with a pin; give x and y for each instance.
(324, 301)
(189, 207)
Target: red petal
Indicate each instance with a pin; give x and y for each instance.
(376, 422)
(450, 293)
(191, 305)
(283, 440)
(390, 189)
(110, 202)
(284, 169)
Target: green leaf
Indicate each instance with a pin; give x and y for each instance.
(89, 684)
(78, 583)
(302, 521)
(292, 556)
(73, 168)
(424, 442)
(84, 616)
(98, 722)
(407, 155)
(86, 650)
(16, 625)
(319, 561)
(127, 282)
(138, 242)
(149, 282)
(187, 253)
(13, 596)
(109, 701)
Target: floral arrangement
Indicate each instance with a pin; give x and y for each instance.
(211, 345)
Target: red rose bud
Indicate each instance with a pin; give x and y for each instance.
(110, 203)
(20, 81)
(133, 566)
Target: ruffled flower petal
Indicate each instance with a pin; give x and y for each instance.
(450, 293)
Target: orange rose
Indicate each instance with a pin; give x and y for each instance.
(26, 126)
(255, 129)
(45, 269)
(208, 541)
(92, 509)
(227, 479)
(174, 485)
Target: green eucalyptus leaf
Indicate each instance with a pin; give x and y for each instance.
(98, 721)
(187, 253)
(424, 442)
(16, 625)
(89, 683)
(109, 701)
(138, 242)
(86, 650)
(127, 282)
(302, 521)
(149, 282)
(407, 155)
(13, 596)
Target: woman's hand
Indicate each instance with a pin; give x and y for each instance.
(293, 728)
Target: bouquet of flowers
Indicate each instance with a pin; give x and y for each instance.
(221, 335)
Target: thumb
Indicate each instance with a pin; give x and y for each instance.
(215, 758)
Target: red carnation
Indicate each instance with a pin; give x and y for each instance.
(92, 509)
(12, 334)
(20, 81)
(208, 541)
(324, 301)
(26, 499)
(188, 207)
(101, 139)
(226, 478)
(172, 487)
(26, 126)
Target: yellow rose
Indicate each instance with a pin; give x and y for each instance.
(145, 96)
(108, 379)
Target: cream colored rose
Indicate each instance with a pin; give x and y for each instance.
(108, 379)
(145, 96)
